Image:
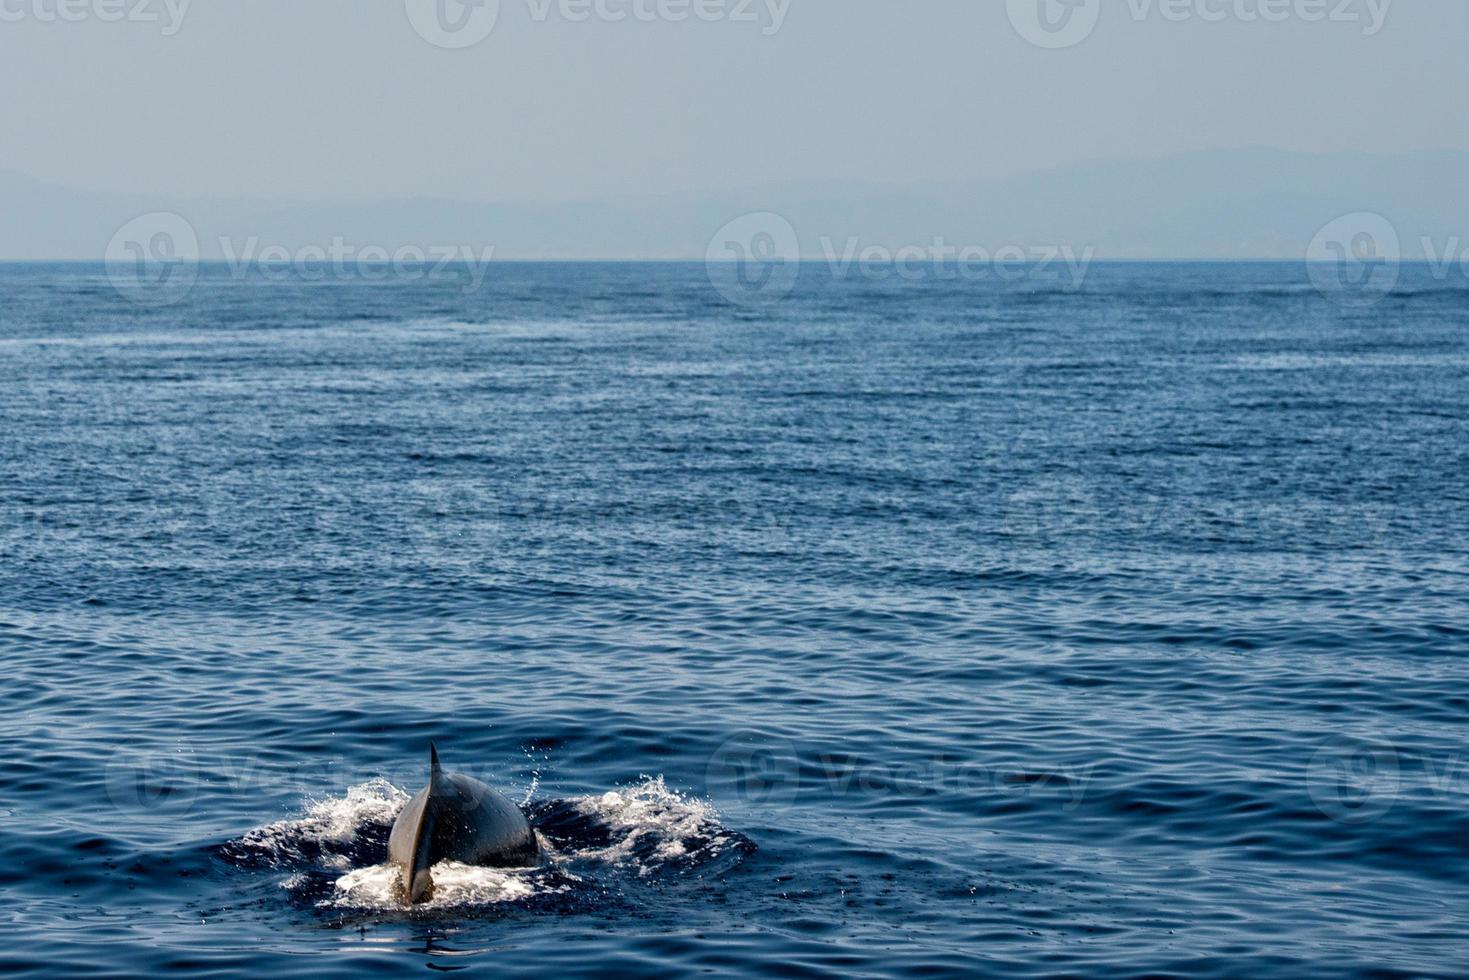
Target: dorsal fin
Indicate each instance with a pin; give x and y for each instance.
(440, 782)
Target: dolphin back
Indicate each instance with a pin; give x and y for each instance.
(457, 818)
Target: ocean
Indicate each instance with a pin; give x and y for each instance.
(900, 626)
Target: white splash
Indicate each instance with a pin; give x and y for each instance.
(455, 886)
(535, 779)
(651, 813)
(335, 820)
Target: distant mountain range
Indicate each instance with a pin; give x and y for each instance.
(1237, 204)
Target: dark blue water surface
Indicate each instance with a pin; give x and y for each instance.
(895, 628)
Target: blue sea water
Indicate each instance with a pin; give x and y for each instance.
(896, 628)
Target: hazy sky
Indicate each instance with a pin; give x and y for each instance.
(314, 98)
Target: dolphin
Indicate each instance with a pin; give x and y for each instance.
(456, 818)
